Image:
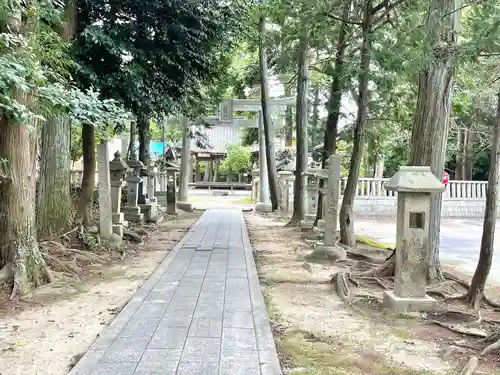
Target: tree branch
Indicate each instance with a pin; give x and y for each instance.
(387, 5)
(342, 20)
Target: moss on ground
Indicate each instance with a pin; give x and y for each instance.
(370, 241)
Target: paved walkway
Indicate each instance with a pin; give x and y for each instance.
(200, 313)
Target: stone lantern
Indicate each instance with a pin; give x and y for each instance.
(117, 169)
(414, 186)
(131, 210)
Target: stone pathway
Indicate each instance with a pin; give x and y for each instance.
(201, 312)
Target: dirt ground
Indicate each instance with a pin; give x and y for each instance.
(317, 333)
(47, 332)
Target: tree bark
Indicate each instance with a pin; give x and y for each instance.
(301, 140)
(460, 158)
(476, 290)
(143, 125)
(55, 210)
(288, 118)
(131, 155)
(469, 155)
(334, 102)
(20, 258)
(346, 217)
(315, 116)
(268, 126)
(435, 92)
(84, 215)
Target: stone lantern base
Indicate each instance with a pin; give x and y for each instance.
(186, 206)
(133, 214)
(406, 304)
(264, 207)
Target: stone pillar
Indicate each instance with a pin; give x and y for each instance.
(186, 170)
(131, 210)
(198, 171)
(331, 204)
(264, 204)
(171, 191)
(216, 170)
(284, 197)
(414, 186)
(150, 207)
(104, 185)
(117, 168)
(311, 195)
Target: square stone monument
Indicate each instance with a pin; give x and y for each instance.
(131, 210)
(414, 186)
(117, 169)
(284, 192)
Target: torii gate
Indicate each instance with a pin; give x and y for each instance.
(226, 110)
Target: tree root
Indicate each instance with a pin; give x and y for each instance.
(384, 270)
(470, 367)
(61, 266)
(461, 331)
(495, 347)
(376, 280)
(341, 286)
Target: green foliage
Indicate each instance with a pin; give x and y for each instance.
(238, 159)
(158, 55)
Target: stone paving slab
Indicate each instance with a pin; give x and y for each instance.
(201, 312)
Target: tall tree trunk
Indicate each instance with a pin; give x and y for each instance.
(131, 155)
(288, 118)
(20, 258)
(460, 158)
(18, 236)
(84, 215)
(469, 155)
(315, 116)
(301, 140)
(335, 100)
(55, 211)
(268, 126)
(476, 291)
(143, 125)
(346, 217)
(435, 92)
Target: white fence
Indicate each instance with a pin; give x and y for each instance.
(460, 199)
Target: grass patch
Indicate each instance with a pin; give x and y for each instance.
(244, 200)
(370, 241)
(313, 355)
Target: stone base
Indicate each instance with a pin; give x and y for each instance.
(310, 217)
(171, 209)
(186, 206)
(118, 229)
(321, 224)
(264, 207)
(146, 210)
(134, 218)
(117, 218)
(305, 225)
(406, 304)
(322, 251)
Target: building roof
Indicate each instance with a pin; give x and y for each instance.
(219, 137)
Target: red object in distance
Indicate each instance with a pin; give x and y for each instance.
(446, 177)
